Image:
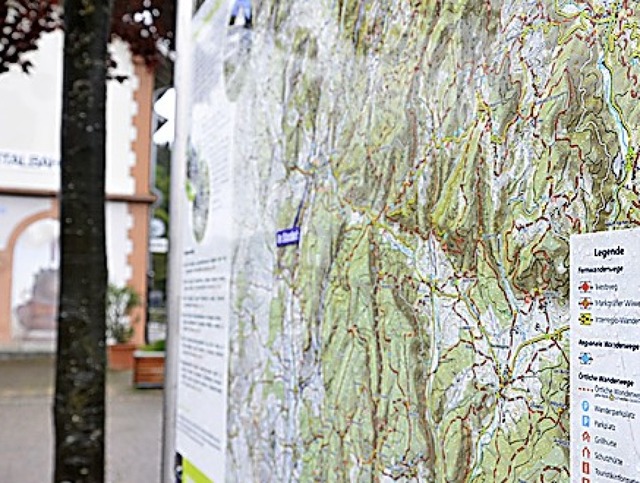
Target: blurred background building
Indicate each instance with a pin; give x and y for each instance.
(29, 184)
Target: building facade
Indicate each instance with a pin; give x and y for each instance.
(30, 119)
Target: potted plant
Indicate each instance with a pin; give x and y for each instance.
(148, 366)
(120, 302)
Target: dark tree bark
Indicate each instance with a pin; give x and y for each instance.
(80, 373)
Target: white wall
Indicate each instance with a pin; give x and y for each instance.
(121, 108)
(30, 109)
(119, 246)
(30, 116)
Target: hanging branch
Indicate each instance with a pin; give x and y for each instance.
(146, 25)
(22, 22)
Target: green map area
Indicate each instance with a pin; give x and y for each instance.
(436, 157)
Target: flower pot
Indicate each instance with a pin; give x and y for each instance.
(120, 356)
(148, 369)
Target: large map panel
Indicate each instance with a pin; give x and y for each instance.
(407, 177)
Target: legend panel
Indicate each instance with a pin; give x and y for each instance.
(605, 357)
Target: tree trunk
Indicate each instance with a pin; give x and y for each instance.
(80, 371)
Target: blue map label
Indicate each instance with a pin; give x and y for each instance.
(290, 236)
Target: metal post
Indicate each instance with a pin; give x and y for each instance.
(176, 213)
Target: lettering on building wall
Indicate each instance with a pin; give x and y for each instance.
(27, 160)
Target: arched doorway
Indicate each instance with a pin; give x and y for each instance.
(35, 282)
(10, 266)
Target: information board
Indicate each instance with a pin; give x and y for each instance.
(207, 249)
(406, 177)
(605, 344)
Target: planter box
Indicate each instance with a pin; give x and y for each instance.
(120, 356)
(148, 369)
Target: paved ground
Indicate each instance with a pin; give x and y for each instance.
(134, 425)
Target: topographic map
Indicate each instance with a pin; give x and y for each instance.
(435, 156)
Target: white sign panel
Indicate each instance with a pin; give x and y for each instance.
(201, 417)
(605, 357)
(159, 245)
